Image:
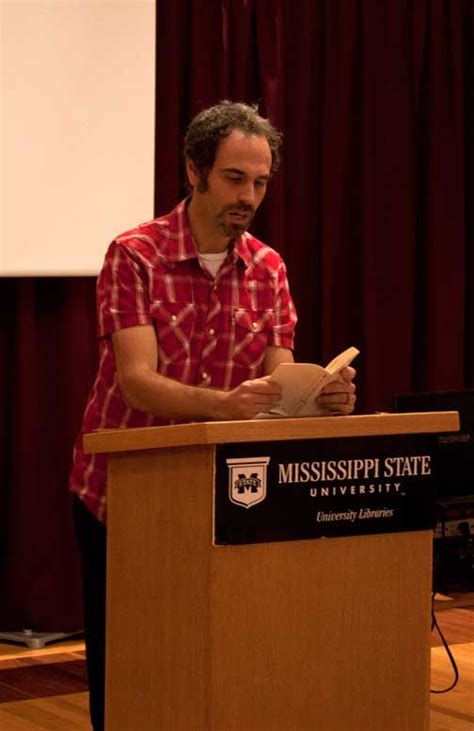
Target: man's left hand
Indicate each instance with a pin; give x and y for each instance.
(338, 397)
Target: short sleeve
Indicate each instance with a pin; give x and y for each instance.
(122, 291)
(283, 333)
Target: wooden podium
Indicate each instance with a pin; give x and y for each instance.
(300, 635)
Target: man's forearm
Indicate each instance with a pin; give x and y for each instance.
(164, 397)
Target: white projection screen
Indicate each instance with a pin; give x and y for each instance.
(77, 132)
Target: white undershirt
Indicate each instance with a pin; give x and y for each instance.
(212, 262)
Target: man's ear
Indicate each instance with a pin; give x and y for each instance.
(191, 172)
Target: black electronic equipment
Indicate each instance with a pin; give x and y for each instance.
(454, 532)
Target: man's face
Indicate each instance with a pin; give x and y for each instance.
(236, 183)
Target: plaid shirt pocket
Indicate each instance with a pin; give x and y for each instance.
(174, 325)
(252, 329)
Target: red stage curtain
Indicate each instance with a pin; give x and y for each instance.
(47, 362)
(373, 207)
(372, 210)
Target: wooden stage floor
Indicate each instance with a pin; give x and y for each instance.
(46, 690)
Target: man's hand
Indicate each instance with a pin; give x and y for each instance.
(249, 399)
(338, 397)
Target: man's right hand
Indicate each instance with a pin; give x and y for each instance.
(249, 399)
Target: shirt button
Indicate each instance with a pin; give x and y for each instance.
(173, 318)
(254, 326)
(204, 376)
(212, 331)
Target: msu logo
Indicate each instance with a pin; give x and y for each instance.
(247, 480)
(251, 483)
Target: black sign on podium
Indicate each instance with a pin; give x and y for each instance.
(293, 490)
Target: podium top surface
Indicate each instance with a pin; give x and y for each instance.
(224, 432)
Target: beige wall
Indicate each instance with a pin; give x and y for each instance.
(77, 130)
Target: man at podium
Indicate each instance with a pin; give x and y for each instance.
(193, 313)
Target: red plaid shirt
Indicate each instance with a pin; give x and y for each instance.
(210, 332)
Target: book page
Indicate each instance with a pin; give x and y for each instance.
(342, 360)
(297, 382)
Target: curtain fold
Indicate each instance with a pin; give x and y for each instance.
(47, 348)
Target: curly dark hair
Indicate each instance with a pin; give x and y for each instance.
(212, 125)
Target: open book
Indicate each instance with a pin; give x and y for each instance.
(301, 384)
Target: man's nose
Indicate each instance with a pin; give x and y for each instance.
(247, 194)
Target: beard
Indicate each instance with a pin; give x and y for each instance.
(235, 228)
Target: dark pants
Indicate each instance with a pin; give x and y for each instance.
(91, 537)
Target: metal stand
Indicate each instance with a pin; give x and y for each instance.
(36, 640)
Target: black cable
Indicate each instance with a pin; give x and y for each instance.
(435, 625)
